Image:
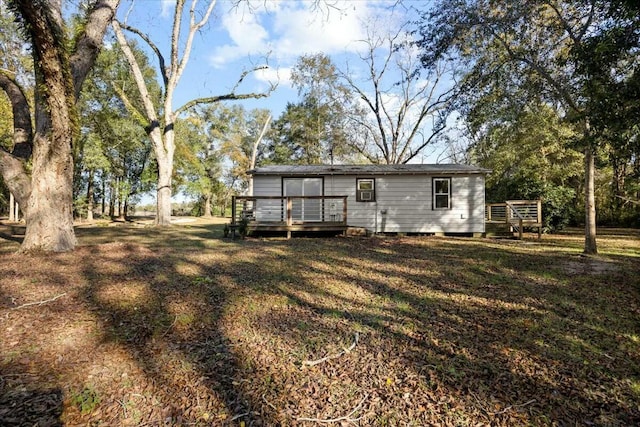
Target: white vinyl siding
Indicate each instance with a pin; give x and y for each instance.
(403, 203)
(268, 210)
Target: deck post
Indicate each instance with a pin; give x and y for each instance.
(539, 219)
(344, 210)
(520, 229)
(289, 214)
(12, 207)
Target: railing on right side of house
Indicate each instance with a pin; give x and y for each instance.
(516, 214)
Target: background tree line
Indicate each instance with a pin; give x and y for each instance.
(543, 92)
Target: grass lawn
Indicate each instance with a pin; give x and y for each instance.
(141, 326)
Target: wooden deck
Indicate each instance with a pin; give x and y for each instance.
(329, 214)
(289, 214)
(513, 215)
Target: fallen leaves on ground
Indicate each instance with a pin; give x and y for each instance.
(140, 326)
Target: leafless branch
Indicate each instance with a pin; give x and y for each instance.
(170, 327)
(240, 416)
(39, 302)
(149, 108)
(333, 356)
(634, 202)
(163, 69)
(194, 27)
(511, 407)
(229, 96)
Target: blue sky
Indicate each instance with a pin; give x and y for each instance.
(258, 32)
(243, 35)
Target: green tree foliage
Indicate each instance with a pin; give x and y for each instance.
(528, 52)
(297, 136)
(531, 157)
(232, 134)
(112, 157)
(312, 130)
(609, 58)
(319, 120)
(197, 165)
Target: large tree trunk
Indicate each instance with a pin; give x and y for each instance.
(49, 211)
(165, 169)
(590, 246)
(103, 201)
(207, 206)
(112, 199)
(46, 192)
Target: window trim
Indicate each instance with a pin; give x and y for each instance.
(359, 191)
(449, 194)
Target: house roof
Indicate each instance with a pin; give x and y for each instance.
(405, 169)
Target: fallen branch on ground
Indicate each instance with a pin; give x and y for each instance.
(512, 406)
(39, 302)
(170, 326)
(240, 416)
(332, 356)
(346, 418)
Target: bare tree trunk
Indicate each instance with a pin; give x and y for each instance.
(125, 212)
(104, 195)
(120, 197)
(90, 201)
(162, 134)
(112, 199)
(254, 153)
(207, 206)
(590, 246)
(165, 169)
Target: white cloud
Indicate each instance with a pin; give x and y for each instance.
(289, 29)
(280, 76)
(167, 6)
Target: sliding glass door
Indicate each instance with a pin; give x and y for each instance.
(304, 210)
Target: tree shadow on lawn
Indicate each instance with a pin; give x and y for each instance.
(217, 333)
(35, 407)
(172, 331)
(501, 341)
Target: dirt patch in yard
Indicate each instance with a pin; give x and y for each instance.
(591, 265)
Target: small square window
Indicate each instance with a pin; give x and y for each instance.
(365, 190)
(441, 193)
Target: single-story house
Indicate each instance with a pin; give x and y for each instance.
(409, 198)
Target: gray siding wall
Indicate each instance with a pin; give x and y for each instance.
(403, 203)
(268, 210)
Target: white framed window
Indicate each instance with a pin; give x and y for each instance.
(441, 193)
(365, 190)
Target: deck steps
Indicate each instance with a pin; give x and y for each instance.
(498, 230)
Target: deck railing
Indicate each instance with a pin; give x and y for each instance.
(516, 213)
(289, 210)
